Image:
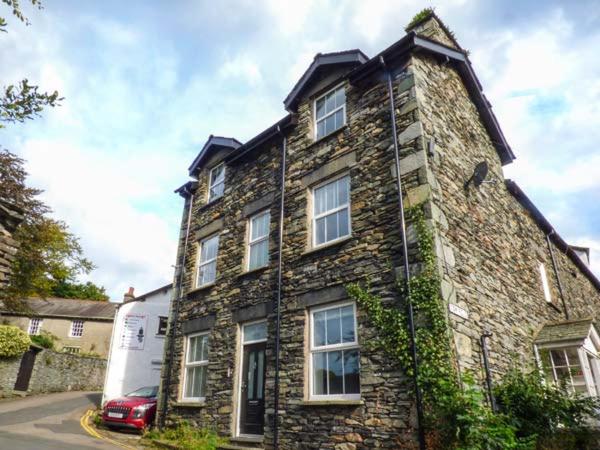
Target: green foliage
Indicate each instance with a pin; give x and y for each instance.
(22, 101)
(16, 11)
(456, 413)
(13, 341)
(544, 410)
(419, 17)
(85, 291)
(49, 258)
(44, 339)
(187, 437)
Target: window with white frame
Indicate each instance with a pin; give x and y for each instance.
(196, 366)
(258, 240)
(207, 261)
(330, 112)
(545, 285)
(570, 367)
(331, 211)
(76, 328)
(35, 325)
(216, 182)
(334, 353)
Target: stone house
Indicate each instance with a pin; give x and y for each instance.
(79, 325)
(11, 217)
(261, 327)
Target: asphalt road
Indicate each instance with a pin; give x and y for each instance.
(49, 422)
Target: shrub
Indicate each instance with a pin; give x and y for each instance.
(13, 341)
(45, 339)
(187, 437)
(545, 411)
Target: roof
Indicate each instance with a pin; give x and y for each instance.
(572, 330)
(213, 142)
(548, 229)
(67, 308)
(143, 297)
(460, 61)
(323, 60)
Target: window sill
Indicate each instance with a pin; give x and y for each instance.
(204, 287)
(209, 204)
(258, 439)
(198, 404)
(254, 271)
(327, 245)
(327, 136)
(339, 402)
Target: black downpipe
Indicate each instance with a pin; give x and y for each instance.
(166, 390)
(555, 267)
(486, 365)
(279, 285)
(411, 315)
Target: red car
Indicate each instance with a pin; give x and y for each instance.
(135, 410)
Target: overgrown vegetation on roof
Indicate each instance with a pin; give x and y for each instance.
(419, 17)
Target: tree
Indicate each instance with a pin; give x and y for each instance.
(49, 257)
(22, 101)
(88, 291)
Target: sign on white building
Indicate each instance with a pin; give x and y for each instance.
(136, 349)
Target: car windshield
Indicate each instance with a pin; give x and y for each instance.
(146, 392)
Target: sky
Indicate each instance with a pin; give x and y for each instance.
(146, 82)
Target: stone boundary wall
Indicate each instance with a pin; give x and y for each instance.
(10, 218)
(55, 372)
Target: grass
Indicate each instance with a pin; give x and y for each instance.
(187, 437)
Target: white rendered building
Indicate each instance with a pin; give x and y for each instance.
(138, 338)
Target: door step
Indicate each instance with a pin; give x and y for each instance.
(237, 447)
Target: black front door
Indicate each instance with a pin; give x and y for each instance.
(25, 370)
(252, 411)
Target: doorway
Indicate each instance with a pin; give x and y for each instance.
(252, 379)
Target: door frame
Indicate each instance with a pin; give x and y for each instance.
(240, 362)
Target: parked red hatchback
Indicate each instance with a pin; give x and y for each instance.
(135, 410)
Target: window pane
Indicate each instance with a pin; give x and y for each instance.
(339, 119)
(331, 197)
(196, 382)
(260, 375)
(260, 226)
(192, 342)
(573, 356)
(330, 124)
(251, 364)
(330, 102)
(217, 174)
(351, 372)
(209, 249)
(204, 352)
(343, 228)
(563, 376)
(259, 255)
(320, 108)
(319, 331)
(320, 231)
(255, 332)
(558, 356)
(217, 190)
(333, 326)
(343, 188)
(336, 374)
(320, 373)
(208, 273)
(340, 97)
(332, 227)
(320, 129)
(348, 324)
(320, 200)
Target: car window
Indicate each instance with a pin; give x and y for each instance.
(146, 392)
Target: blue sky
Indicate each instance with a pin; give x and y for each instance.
(145, 83)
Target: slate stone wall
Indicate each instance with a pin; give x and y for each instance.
(10, 218)
(55, 372)
(364, 150)
(491, 248)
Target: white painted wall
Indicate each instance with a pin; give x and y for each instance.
(131, 368)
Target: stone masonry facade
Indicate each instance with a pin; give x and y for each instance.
(10, 218)
(488, 248)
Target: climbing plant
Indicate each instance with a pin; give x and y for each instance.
(456, 413)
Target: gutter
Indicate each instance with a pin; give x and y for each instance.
(548, 229)
(411, 320)
(175, 318)
(279, 293)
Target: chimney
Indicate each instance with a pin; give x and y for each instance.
(129, 295)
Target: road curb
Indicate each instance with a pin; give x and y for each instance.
(85, 424)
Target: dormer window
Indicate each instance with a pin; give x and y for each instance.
(216, 184)
(330, 112)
